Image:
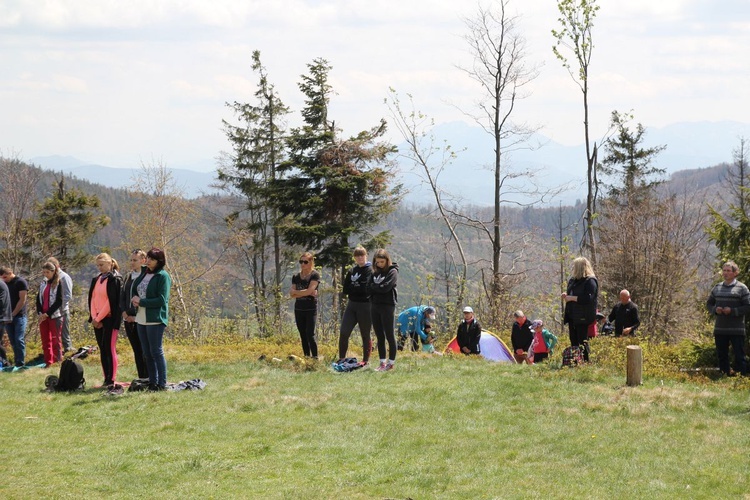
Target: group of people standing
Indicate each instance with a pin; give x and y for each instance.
(140, 300)
(373, 295)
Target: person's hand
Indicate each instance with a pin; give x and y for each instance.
(135, 300)
(130, 319)
(43, 316)
(564, 296)
(96, 324)
(465, 350)
(626, 331)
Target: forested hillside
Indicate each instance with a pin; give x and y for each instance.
(419, 243)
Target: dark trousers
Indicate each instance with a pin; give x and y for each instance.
(356, 313)
(408, 340)
(383, 323)
(579, 336)
(135, 342)
(106, 337)
(738, 347)
(306, 327)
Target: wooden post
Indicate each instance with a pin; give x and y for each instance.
(635, 365)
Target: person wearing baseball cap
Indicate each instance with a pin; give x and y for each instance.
(469, 333)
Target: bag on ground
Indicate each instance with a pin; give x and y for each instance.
(71, 376)
(572, 356)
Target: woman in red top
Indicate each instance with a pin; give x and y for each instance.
(48, 305)
(104, 313)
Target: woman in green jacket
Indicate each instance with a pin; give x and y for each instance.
(150, 294)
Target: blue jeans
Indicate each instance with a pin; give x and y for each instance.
(17, 337)
(152, 341)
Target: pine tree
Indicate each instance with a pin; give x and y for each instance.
(257, 149)
(333, 190)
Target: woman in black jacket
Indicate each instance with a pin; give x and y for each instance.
(357, 310)
(581, 303)
(383, 299)
(136, 260)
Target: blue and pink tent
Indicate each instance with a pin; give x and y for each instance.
(490, 346)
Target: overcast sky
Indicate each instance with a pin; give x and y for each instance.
(116, 82)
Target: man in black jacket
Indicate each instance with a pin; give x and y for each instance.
(521, 336)
(625, 315)
(469, 332)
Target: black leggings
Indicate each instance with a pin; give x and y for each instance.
(356, 313)
(135, 343)
(107, 339)
(579, 336)
(383, 324)
(306, 327)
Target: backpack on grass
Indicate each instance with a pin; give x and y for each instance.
(572, 356)
(347, 365)
(71, 376)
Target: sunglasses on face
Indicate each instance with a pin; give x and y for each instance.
(304, 261)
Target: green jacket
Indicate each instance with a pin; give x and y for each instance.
(156, 301)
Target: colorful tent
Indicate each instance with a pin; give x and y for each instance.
(490, 346)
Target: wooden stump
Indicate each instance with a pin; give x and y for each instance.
(635, 365)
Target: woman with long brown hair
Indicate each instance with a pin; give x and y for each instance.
(383, 299)
(48, 308)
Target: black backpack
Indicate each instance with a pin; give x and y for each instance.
(71, 376)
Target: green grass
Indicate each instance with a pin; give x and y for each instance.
(433, 428)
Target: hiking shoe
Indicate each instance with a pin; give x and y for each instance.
(389, 367)
(115, 390)
(381, 368)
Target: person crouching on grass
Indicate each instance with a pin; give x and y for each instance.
(105, 315)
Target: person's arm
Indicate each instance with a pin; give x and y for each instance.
(477, 335)
(311, 290)
(635, 320)
(57, 304)
(744, 306)
(162, 292)
(711, 304)
(389, 282)
(347, 287)
(612, 315)
(21, 302)
(419, 325)
(67, 290)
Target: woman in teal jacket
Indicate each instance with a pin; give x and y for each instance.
(150, 294)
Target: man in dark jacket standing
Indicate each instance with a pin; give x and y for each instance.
(521, 336)
(625, 315)
(729, 301)
(469, 332)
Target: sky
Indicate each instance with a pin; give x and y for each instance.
(118, 83)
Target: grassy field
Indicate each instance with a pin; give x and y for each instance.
(433, 428)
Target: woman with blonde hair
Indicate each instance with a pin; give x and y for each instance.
(136, 260)
(581, 303)
(104, 313)
(304, 290)
(49, 309)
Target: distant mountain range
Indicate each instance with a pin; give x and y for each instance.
(689, 146)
